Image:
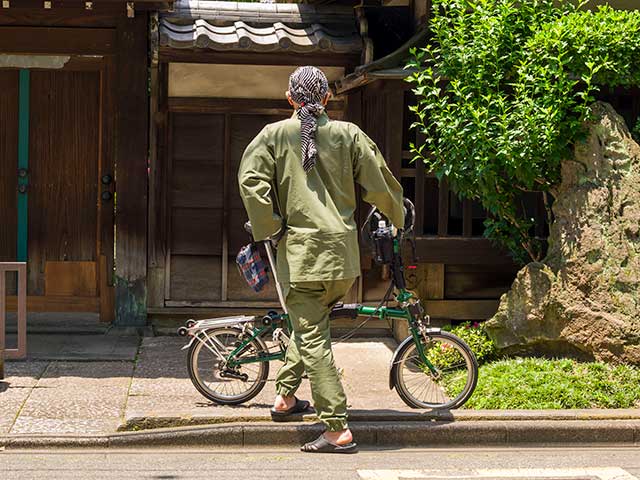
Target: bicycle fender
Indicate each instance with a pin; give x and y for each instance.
(394, 358)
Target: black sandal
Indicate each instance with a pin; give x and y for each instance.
(300, 408)
(322, 445)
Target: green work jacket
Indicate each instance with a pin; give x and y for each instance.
(321, 239)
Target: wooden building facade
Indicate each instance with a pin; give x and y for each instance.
(123, 124)
(220, 77)
(74, 116)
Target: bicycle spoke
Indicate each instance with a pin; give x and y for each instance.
(429, 389)
(207, 365)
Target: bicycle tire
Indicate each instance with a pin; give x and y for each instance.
(402, 356)
(256, 346)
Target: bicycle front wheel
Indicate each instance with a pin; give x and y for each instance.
(452, 383)
(217, 381)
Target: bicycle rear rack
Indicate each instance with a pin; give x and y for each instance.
(192, 327)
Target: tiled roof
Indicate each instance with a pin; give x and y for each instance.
(260, 27)
(274, 37)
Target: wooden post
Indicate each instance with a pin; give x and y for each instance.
(131, 172)
(467, 217)
(420, 188)
(443, 208)
(157, 168)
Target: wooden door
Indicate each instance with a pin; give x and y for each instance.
(63, 183)
(67, 212)
(206, 215)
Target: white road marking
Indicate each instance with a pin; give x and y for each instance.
(607, 473)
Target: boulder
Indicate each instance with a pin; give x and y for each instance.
(583, 300)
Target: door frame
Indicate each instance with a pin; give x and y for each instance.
(103, 303)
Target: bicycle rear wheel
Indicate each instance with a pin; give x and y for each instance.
(450, 387)
(214, 379)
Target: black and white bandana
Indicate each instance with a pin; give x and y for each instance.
(308, 87)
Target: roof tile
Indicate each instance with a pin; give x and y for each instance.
(265, 37)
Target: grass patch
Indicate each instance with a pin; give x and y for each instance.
(534, 383)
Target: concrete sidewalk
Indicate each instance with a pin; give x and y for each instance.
(97, 403)
(162, 394)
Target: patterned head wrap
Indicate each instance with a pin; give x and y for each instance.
(308, 87)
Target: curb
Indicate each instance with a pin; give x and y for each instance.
(368, 434)
(136, 421)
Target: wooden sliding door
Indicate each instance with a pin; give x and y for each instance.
(206, 215)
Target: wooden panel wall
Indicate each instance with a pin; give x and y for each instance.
(196, 206)
(63, 167)
(30, 12)
(243, 129)
(206, 214)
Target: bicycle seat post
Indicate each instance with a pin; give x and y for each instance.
(272, 264)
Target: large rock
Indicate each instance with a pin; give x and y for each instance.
(584, 299)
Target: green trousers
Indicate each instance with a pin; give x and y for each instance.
(309, 304)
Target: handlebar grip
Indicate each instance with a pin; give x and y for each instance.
(342, 310)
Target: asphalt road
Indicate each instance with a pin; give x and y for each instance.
(595, 463)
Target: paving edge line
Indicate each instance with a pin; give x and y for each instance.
(384, 434)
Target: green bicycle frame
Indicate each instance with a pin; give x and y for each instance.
(385, 313)
(403, 297)
(255, 333)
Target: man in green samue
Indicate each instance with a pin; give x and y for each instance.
(308, 166)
